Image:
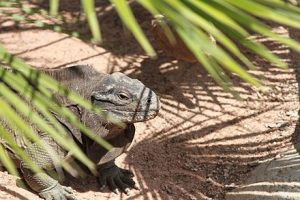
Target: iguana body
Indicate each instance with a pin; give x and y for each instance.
(126, 99)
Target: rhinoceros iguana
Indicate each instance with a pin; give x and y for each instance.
(127, 100)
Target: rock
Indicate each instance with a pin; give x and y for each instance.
(176, 49)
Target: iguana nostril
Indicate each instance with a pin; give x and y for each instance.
(93, 99)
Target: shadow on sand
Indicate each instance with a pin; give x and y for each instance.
(204, 142)
(279, 178)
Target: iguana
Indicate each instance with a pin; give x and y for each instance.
(126, 99)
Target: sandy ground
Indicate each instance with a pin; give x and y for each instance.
(203, 143)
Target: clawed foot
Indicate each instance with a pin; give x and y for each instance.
(115, 178)
(57, 192)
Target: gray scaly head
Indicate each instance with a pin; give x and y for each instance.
(126, 99)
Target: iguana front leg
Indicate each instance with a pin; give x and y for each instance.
(109, 173)
(46, 186)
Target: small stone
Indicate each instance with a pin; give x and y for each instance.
(278, 156)
(226, 173)
(270, 125)
(292, 113)
(283, 125)
(231, 186)
(167, 189)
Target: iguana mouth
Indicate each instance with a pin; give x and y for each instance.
(133, 116)
(138, 111)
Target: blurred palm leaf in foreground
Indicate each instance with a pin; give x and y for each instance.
(230, 22)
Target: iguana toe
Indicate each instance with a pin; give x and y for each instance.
(68, 193)
(121, 185)
(112, 185)
(127, 179)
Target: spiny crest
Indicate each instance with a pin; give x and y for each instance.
(72, 72)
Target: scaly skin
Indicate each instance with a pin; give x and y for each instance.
(125, 99)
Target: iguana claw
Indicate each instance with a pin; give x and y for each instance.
(57, 192)
(114, 178)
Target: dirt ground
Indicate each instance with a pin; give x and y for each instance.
(204, 142)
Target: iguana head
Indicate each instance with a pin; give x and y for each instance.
(125, 99)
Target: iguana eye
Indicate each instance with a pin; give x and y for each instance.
(123, 96)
